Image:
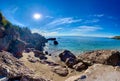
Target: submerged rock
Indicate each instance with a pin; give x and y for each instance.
(109, 57)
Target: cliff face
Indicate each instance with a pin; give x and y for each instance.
(15, 39)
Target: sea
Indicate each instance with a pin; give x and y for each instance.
(79, 44)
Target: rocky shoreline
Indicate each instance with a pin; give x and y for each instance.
(88, 66)
(22, 59)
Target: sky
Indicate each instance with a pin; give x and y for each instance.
(99, 18)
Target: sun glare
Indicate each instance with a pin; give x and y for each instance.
(37, 16)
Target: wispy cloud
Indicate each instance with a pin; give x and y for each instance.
(14, 10)
(98, 15)
(91, 21)
(44, 33)
(49, 17)
(9, 14)
(86, 29)
(61, 21)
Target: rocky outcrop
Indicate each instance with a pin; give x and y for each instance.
(65, 55)
(62, 71)
(98, 72)
(69, 58)
(116, 37)
(80, 66)
(15, 39)
(55, 42)
(33, 78)
(109, 57)
(40, 55)
(11, 67)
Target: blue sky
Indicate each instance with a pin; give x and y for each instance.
(65, 17)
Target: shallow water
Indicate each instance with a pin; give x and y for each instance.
(78, 44)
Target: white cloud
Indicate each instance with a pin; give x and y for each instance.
(49, 17)
(61, 21)
(98, 15)
(91, 21)
(44, 33)
(14, 10)
(86, 29)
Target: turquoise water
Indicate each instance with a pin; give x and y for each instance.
(79, 45)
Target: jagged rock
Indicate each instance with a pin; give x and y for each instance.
(33, 78)
(11, 67)
(98, 72)
(70, 62)
(17, 47)
(2, 32)
(62, 71)
(80, 66)
(109, 57)
(53, 39)
(40, 55)
(55, 42)
(69, 58)
(65, 55)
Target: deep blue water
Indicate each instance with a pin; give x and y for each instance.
(78, 44)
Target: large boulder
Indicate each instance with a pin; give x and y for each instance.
(62, 71)
(70, 62)
(17, 47)
(2, 31)
(80, 66)
(109, 57)
(98, 72)
(65, 55)
(11, 67)
(69, 58)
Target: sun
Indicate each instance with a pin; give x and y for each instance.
(37, 16)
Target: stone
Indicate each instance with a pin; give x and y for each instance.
(108, 57)
(17, 47)
(55, 42)
(98, 72)
(65, 55)
(11, 67)
(80, 66)
(62, 71)
(70, 62)
(33, 78)
(40, 55)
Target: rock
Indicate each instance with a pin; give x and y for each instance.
(2, 78)
(98, 72)
(40, 55)
(11, 67)
(33, 60)
(27, 50)
(70, 62)
(53, 39)
(33, 78)
(55, 42)
(80, 66)
(2, 32)
(109, 57)
(65, 55)
(17, 47)
(62, 71)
